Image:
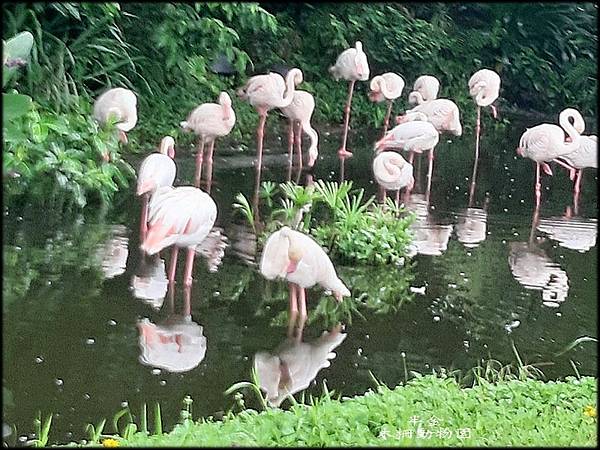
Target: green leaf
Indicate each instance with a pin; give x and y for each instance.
(15, 105)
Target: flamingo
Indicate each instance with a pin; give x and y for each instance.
(296, 257)
(300, 110)
(484, 87)
(181, 217)
(118, 104)
(210, 121)
(156, 170)
(544, 143)
(414, 137)
(586, 155)
(351, 65)
(265, 92)
(387, 86)
(425, 89)
(393, 172)
(442, 113)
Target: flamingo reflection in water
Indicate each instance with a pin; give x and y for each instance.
(571, 231)
(535, 270)
(114, 252)
(292, 366)
(471, 227)
(177, 344)
(150, 282)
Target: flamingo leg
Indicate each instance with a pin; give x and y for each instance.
(302, 302)
(538, 185)
(199, 161)
(477, 131)
(298, 138)
(429, 175)
(260, 134)
(342, 167)
(291, 140)
(386, 121)
(144, 218)
(382, 194)
(577, 188)
(173, 265)
(293, 299)
(209, 169)
(473, 179)
(494, 111)
(572, 170)
(342, 152)
(411, 157)
(398, 198)
(187, 301)
(189, 265)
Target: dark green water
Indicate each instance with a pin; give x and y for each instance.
(71, 336)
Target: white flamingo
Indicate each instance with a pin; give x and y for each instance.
(297, 258)
(351, 65)
(484, 87)
(118, 104)
(425, 89)
(387, 86)
(392, 172)
(300, 110)
(156, 170)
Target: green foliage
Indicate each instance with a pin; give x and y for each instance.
(511, 413)
(59, 158)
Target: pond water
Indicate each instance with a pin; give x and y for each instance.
(80, 304)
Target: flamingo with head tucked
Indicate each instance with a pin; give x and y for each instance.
(118, 104)
(544, 143)
(181, 217)
(586, 155)
(300, 111)
(297, 258)
(441, 112)
(156, 170)
(387, 86)
(351, 65)
(484, 87)
(209, 121)
(265, 92)
(425, 89)
(392, 172)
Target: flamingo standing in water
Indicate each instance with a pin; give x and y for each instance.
(392, 172)
(484, 87)
(157, 170)
(181, 217)
(544, 143)
(296, 257)
(387, 86)
(351, 65)
(442, 113)
(210, 121)
(265, 92)
(414, 137)
(425, 89)
(118, 104)
(300, 111)
(586, 155)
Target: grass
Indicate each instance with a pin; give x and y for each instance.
(429, 410)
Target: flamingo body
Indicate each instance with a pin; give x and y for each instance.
(271, 90)
(387, 86)
(392, 171)
(211, 120)
(312, 265)
(351, 64)
(157, 169)
(410, 136)
(425, 89)
(119, 103)
(442, 113)
(484, 87)
(301, 109)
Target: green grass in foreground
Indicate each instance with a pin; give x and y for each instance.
(507, 413)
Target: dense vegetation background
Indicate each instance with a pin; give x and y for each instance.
(545, 53)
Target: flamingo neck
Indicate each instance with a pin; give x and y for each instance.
(415, 97)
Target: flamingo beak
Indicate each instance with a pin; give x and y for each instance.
(123, 137)
(226, 113)
(171, 152)
(292, 266)
(400, 119)
(521, 151)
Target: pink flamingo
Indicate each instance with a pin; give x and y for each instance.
(586, 155)
(156, 170)
(544, 143)
(425, 89)
(300, 111)
(265, 92)
(118, 104)
(392, 172)
(414, 137)
(484, 87)
(210, 121)
(351, 65)
(181, 217)
(442, 113)
(387, 86)
(296, 257)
